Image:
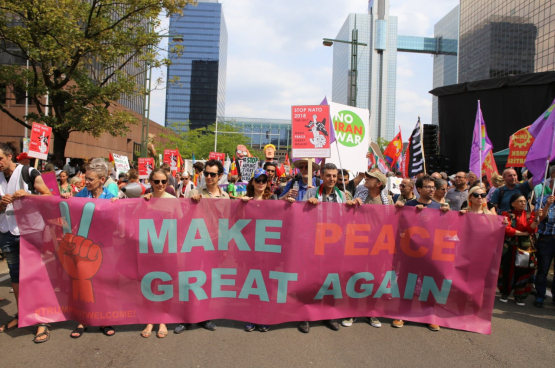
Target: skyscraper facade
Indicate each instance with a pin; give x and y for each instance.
(376, 69)
(504, 38)
(445, 66)
(199, 94)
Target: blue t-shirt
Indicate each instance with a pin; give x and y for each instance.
(547, 226)
(106, 194)
(505, 205)
(432, 204)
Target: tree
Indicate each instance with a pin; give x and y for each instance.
(201, 141)
(85, 55)
(382, 143)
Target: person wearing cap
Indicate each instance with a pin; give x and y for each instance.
(23, 158)
(298, 195)
(185, 185)
(375, 184)
(326, 192)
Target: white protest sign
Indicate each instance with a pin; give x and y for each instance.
(393, 184)
(121, 162)
(352, 133)
(247, 169)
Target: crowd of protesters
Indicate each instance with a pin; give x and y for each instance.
(529, 229)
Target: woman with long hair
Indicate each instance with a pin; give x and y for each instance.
(476, 201)
(516, 276)
(65, 187)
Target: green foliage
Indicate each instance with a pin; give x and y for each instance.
(85, 55)
(382, 143)
(201, 141)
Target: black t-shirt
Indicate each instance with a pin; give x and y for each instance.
(351, 188)
(432, 204)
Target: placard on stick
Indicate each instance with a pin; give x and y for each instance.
(310, 130)
(146, 166)
(40, 141)
(247, 169)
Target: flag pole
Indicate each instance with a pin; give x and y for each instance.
(481, 143)
(547, 166)
(422, 144)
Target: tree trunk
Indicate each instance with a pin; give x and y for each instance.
(60, 141)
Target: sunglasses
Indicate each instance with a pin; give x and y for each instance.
(210, 174)
(476, 195)
(242, 152)
(303, 167)
(160, 181)
(402, 186)
(260, 181)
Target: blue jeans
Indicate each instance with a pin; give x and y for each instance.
(546, 252)
(9, 244)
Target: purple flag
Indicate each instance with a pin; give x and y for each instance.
(543, 130)
(481, 144)
(332, 129)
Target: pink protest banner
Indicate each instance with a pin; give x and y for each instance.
(51, 182)
(170, 261)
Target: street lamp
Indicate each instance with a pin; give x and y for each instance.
(354, 68)
(146, 105)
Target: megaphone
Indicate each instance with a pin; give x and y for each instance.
(134, 190)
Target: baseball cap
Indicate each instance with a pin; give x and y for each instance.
(259, 172)
(378, 175)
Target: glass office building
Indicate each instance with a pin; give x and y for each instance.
(263, 131)
(502, 38)
(199, 95)
(445, 66)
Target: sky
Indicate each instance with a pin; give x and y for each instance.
(276, 58)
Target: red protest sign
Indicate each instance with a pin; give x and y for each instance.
(170, 157)
(519, 145)
(40, 141)
(146, 166)
(217, 156)
(310, 130)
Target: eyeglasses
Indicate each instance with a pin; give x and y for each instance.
(476, 195)
(164, 181)
(444, 189)
(89, 179)
(303, 167)
(210, 174)
(460, 177)
(402, 186)
(261, 180)
(183, 178)
(429, 187)
(271, 171)
(242, 152)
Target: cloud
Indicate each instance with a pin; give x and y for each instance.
(276, 58)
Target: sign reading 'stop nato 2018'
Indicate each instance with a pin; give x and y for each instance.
(310, 129)
(351, 126)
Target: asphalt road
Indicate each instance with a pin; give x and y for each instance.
(522, 336)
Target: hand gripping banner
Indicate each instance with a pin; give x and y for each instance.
(266, 262)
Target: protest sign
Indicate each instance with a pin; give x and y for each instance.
(40, 140)
(26, 142)
(352, 134)
(217, 156)
(170, 157)
(310, 130)
(146, 166)
(121, 163)
(249, 164)
(393, 183)
(519, 145)
(171, 261)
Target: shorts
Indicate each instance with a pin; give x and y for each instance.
(9, 244)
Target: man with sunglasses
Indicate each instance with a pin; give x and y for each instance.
(458, 195)
(290, 192)
(406, 187)
(213, 171)
(271, 168)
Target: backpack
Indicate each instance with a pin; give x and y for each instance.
(25, 177)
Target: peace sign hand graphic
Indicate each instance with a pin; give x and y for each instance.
(80, 257)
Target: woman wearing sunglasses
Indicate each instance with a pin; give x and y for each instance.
(158, 180)
(476, 201)
(441, 192)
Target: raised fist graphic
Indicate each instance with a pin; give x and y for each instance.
(80, 257)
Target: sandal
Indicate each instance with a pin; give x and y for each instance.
(162, 334)
(45, 333)
(107, 329)
(79, 331)
(5, 327)
(146, 332)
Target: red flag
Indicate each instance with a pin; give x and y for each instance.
(233, 169)
(489, 166)
(110, 157)
(393, 150)
(280, 171)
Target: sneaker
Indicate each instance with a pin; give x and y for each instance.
(263, 328)
(433, 328)
(209, 325)
(398, 323)
(538, 302)
(504, 298)
(520, 302)
(304, 327)
(332, 323)
(374, 322)
(179, 329)
(11, 290)
(348, 322)
(250, 327)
